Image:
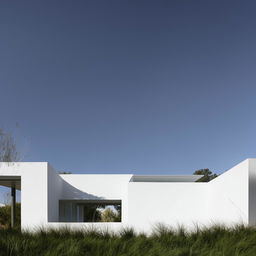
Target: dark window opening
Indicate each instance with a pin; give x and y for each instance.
(90, 211)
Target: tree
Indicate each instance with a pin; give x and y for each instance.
(9, 153)
(8, 150)
(208, 175)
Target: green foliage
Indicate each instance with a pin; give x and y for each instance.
(108, 215)
(5, 216)
(215, 241)
(208, 175)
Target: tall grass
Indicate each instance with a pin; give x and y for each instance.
(214, 241)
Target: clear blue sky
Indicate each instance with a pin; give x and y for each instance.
(146, 87)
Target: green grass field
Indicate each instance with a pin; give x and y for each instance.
(215, 241)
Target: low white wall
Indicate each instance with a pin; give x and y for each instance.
(166, 203)
(111, 227)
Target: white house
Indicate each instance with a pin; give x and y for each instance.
(49, 199)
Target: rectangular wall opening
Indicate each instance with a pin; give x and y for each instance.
(10, 205)
(90, 211)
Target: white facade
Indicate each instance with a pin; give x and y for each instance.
(52, 200)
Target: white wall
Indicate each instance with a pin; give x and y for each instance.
(228, 196)
(33, 194)
(85, 186)
(252, 191)
(166, 203)
(226, 199)
(54, 193)
(33, 191)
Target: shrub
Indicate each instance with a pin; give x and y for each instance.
(5, 216)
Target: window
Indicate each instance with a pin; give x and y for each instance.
(90, 211)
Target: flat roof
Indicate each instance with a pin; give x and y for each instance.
(90, 201)
(11, 181)
(165, 178)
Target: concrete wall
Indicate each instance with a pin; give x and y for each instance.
(252, 191)
(166, 203)
(34, 191)
(228, 199)
(33, 194)
(54, 193)
(95, 187)
(228, 196)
